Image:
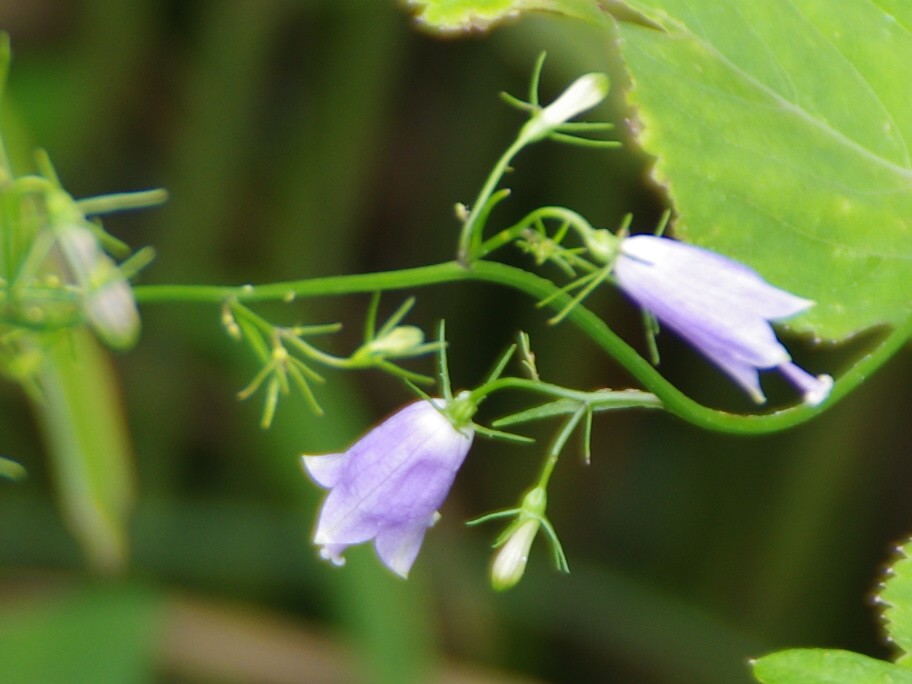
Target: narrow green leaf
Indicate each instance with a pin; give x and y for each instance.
(782, 133)
(605, 400)
(819, 666)
(81, 418)
(4, 73)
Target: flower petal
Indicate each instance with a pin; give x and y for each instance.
(398, 547)
(726, 278)
(721, 307)
(343, 522)
(722, 324)
(333, 553)
(325, 469)
(745, 374)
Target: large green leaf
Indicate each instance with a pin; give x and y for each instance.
(897, 600)
(819, 666)
(782, 132)
(452, 16)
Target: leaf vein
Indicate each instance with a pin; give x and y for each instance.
(851, 65)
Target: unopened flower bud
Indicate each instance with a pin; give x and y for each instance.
(230, 323)
(510, 562)
(514, 544)
(400, 341)
(583, 94)
(111, 311)
(108, 301)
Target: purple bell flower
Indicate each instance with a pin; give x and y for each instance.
(721, 307)
(389, 484)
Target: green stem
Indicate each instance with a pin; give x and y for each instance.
(538, 288)
(596, 399)
(470, 237)
(509, 234)
(315, 354)
(122, 201)
(6, 171)
(554, 451)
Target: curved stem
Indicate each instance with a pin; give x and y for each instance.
(470, 237)
(509, 234)
(538, 288)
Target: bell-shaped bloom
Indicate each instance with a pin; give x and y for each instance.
(721, 307)
(389, 485)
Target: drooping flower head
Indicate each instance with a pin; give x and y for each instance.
(720, 306)
(390, 484)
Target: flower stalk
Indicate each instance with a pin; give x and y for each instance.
(551, 121)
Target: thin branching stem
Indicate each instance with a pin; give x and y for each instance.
(673, 399)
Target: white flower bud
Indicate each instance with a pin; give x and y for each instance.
(583, 94)
(510, 562)
(108, 301)
(111, 311)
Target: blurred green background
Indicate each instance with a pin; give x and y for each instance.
(315, 137)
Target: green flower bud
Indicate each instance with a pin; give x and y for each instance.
(400, 341)
(108, 301)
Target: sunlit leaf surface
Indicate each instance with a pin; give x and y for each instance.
(453, 16)
(818, 666)
(782, 134)
(897, 599)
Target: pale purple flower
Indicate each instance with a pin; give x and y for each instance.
(721, 307)
(389, 485)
